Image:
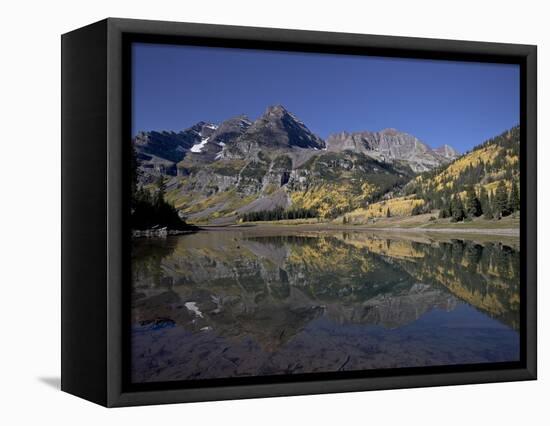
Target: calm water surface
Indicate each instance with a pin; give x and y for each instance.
(243, 303)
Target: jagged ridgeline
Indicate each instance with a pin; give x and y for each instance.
(484, 181)
(275, 168)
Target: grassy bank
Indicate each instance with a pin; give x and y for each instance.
(430, 221)
(424, 221)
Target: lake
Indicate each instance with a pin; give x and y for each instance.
(258, 302)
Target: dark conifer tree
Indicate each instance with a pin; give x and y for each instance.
(151, 210)
(134, 174)
(514, 201)
(473, 205)
(484, 200)
(457, 209)
(161, 189)
(500, 204)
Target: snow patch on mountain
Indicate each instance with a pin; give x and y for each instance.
(199, 146)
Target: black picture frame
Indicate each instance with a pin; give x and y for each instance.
(95, 232)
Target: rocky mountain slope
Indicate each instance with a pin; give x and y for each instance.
(389, 145)
(159, 152)
(217, 173)
(485, 179)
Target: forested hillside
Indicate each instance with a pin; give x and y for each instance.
(484, 181)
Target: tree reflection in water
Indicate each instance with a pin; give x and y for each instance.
(245, 303)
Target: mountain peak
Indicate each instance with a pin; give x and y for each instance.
(231, 129)
(243, 117)
(202, 128)
(390, 131)
(276, 109)
(447, 151)
(278, 127)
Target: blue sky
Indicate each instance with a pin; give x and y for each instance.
(440, 102)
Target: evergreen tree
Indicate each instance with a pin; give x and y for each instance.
(484, 200)
(473, 205)
(388, 214)
(489, 213)
(457, 209)
(514, 201)
(500, 204)
(134, 174)
(161, 189)
(281, 214)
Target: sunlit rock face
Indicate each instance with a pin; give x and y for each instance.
(447, 151)
(391, 145)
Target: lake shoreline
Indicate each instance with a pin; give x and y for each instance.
(162, 232)
(506, 232)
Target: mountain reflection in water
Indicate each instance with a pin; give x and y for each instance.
(243, 303)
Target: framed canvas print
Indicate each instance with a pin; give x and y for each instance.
(253, 212)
